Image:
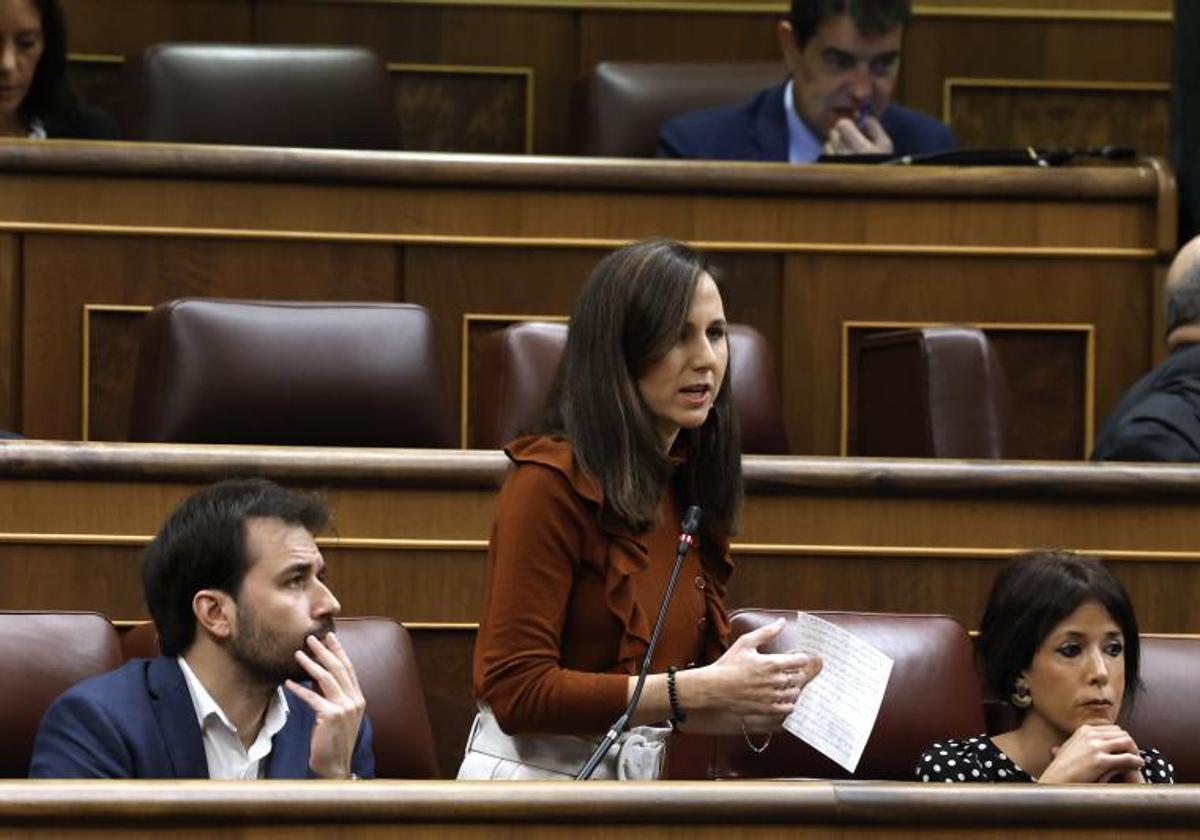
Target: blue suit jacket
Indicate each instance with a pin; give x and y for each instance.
(138, 722)
(757, 130)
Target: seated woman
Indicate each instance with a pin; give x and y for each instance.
(639, 424)
(35, 99)
(1059, 640)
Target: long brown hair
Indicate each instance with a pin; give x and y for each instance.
(630, 313)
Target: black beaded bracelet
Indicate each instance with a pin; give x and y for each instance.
(678, 715)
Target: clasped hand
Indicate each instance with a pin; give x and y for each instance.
(1095, 753)
(339, 706)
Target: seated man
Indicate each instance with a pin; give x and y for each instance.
(1158, 419)
(843, 57)
(237, 590)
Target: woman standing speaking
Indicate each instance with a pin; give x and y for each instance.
(639, 425)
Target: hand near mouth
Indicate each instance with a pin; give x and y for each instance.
(847, 138)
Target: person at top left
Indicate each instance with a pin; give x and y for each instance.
(36, 100)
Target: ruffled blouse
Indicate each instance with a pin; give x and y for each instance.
(572, 596)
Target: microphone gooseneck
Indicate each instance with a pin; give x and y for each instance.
(687, 538)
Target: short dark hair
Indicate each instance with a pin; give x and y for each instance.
(50, 98)
(1183, 299)
(629, 314)
(1033, 594)
(872, 17)
(202, 545)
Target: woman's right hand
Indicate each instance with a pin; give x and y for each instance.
(1095, 753)
(745, 682)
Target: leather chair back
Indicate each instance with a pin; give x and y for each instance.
(262, 95)
(42, 654)
(1165, 714)
(515, 367)
(332, 374)
(938, 392)
(383, 658)
(933, 692)
(623, 104)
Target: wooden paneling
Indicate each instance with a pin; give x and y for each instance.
(10, 333)
(659, 36)
(111, 340)
(542, 40)
(1114, 297)
(464, 109)
(1013, 114)
(126, 26)
(801, 251)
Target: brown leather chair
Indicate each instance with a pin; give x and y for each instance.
(621, 105)
(383, 658)
(933, 692)
(42, 654)
(333, 374)
(261, 95)
(1165, 714)
(514, 368)
(938, 392)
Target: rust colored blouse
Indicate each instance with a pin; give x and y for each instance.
(571, 599)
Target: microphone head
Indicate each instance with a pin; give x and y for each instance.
(691, 520)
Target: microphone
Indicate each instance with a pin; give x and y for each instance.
(687, 538)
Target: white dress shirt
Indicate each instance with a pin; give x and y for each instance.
(227, 757)
(803, 145)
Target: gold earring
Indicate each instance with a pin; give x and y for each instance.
(1021, 698)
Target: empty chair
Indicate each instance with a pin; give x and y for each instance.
(933, 692)
(515, 366)
(623, 104)
(382, 653)
(262, 95)
(42, 654)
(938, 392)
(334, 374)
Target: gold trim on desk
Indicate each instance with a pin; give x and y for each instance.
(139, 540)
(482, 70)
(1089, 384)
(86, 366)
(465, 362)
(871, 552)
(950, 83)
(788, 247)
(781, 8)
(94, 58)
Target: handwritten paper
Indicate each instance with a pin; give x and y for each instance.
(836, 712)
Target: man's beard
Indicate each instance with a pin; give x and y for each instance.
(270, 658)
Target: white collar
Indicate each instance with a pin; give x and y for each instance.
(803, 145)
(206, 707)
(37, 131)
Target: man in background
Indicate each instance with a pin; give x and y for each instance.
(1158, 419)
(843, 59)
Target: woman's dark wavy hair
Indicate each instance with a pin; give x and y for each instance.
(1033, 594)
(630, 313)
(50, 98)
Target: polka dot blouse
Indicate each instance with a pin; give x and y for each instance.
(979, 760)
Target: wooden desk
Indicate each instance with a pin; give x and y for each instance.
(1063, 266)
(412, 528)
(717, 810)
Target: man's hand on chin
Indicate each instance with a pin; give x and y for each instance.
(339, 706)
(846, 138)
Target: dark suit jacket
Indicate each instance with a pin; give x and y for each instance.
(757, 130)
(1158, 419)
(138, 722)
